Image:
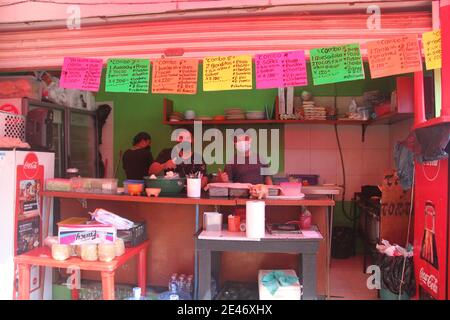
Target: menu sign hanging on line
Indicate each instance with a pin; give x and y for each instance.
(336, 64)
(281, 69)
(432, 48)
(394, 56)
(227, 73)
(177, 76)
(81, 73)
(127, 75)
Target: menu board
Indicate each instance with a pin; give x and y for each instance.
(432, 48)
(394, 56)
(227, 73)
(81, 73)
(336, 64)
(127, 75)
(177, 76)
(281, 69)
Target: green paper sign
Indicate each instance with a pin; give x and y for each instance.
(127, 75)
(336, 64)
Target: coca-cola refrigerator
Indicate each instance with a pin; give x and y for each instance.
(22, 221)
(431, 229)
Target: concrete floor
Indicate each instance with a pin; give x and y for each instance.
(348, 282)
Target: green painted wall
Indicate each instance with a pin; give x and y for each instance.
(143, 112)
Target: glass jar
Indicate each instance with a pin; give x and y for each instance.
(72, 173)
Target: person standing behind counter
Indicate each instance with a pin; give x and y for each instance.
(246, 172)
(164, 161)
(137, 159)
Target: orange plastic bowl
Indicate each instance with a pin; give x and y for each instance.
(135, 189)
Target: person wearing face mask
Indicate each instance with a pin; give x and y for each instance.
(246, 172)
(183, 160)
(137, 160)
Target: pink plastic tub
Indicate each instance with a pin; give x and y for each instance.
(291, 188)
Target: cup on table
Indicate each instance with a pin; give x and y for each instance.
(234, 223)
(194, 187)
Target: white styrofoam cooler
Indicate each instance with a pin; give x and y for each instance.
(292, 292)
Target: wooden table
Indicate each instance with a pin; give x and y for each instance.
(210, 244)
(42, 256)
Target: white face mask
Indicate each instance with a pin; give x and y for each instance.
(242, 146)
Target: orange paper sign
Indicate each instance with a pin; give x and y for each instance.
(394, 56)
(178, 76)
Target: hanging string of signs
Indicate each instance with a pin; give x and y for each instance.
(281, 69)
(81, 73)
(175, 76)
(272, 70)
(336, 64)
(432, 49)
(394, 56)
(227, 73)
(127, 75)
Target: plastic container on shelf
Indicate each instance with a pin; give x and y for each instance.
(127, 182)
(291, 188)
(94, 185)
(20, 86)
(58, 184)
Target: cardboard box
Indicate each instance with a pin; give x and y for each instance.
(292, 292)
(86, 233)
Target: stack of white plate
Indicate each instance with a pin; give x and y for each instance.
(255, 115)
(234, 114)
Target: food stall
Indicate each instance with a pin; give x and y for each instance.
(327, 111)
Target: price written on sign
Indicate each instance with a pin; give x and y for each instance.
(394, 56)
(178, 76)
(81, 73)
(432, 49)
(336, 64)
(281, 69)
(227, 73)
(127, 75)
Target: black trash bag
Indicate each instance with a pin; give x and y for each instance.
(391, 274)
(431, 142)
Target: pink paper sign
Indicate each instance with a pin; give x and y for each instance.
(81, 73)
(281, 69)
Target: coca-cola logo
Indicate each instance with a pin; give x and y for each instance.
(431, 170)
(30, 165)
(429, 280)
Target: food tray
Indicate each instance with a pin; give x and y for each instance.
(58, 184)
(239, 192)
(218, 192)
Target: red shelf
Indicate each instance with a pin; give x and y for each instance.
(225, 122)
(391, 118)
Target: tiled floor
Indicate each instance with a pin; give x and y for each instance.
(348, 282)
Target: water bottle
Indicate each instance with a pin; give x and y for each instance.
(173, 295)
(181, 283)
(173, 279)
(137, 294)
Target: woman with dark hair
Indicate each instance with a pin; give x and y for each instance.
(137, 159)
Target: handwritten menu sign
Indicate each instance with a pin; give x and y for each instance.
(432, 48)
(81, 73)
(394, 56)
(281, 69)
(175, 76)
(127, 75)
(336, 64)
(227, 73)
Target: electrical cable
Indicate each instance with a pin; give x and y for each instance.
(346, 214)
(407, 237)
